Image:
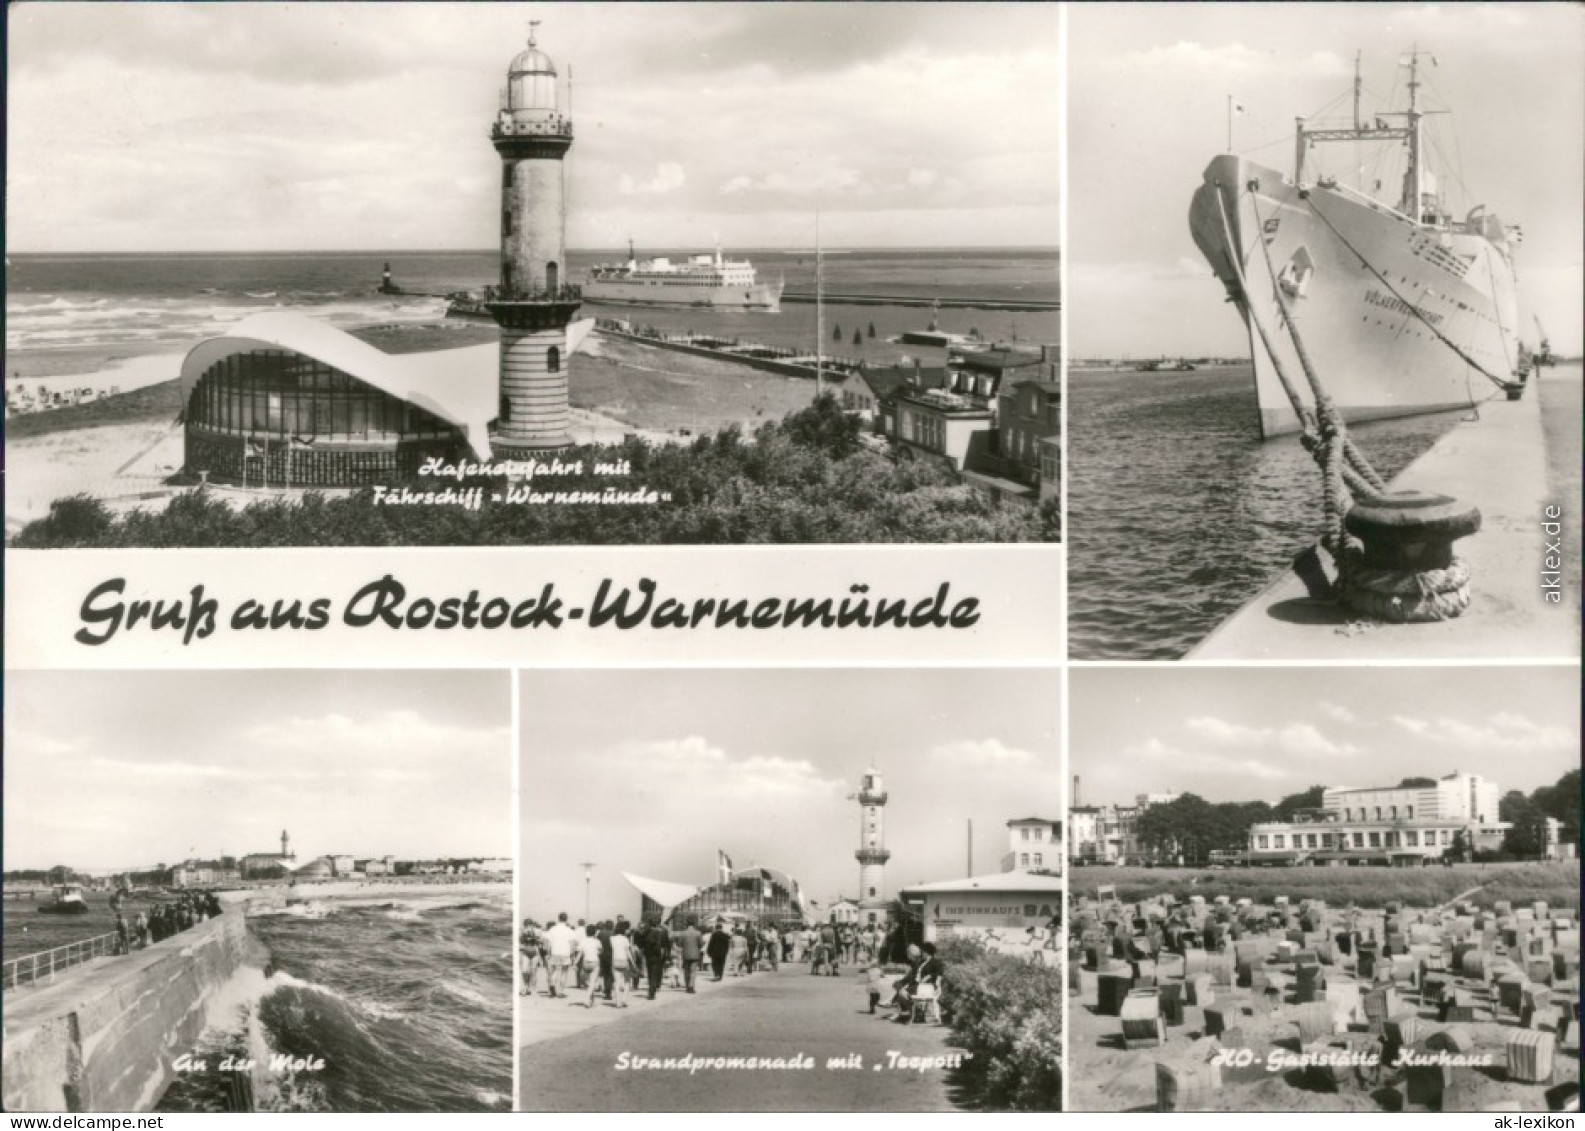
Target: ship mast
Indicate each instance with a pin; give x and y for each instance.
(820, 309)
(1415, 173)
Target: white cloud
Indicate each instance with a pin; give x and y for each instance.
(1502, 731)
(1337, 712)
(394, 733)
(986, 752)
(1302, 740)
(669, 176)
(1226, 62)
(1203, 762)
(693, 765)
(35, 743)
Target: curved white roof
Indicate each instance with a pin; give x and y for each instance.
(667, 894)
(457, 385)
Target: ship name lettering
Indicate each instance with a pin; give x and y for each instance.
(1373, 297)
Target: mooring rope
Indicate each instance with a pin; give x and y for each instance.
(1387, 594)
(1361, 478)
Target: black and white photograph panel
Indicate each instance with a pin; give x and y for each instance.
(1325, 889)
(522, 274)
(1326, 340)
(797, 890)
(258, 891)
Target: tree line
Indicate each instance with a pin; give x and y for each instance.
(805, 479)
(1190, 828)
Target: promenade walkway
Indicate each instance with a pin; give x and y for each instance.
(570, 1055)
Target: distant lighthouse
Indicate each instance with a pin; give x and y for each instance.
(533, 303)
(872, 853)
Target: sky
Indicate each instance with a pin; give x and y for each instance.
(1148, 91)
(118, 770)
(1248, 734)
(652, 772)
(298, 126)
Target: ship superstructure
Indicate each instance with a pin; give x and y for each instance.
(1402, 307)
(709, 280)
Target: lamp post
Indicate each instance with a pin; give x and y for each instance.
(588, 880)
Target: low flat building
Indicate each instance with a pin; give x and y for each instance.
(1335, 841)
(978, 905)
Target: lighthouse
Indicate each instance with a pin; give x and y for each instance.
(533, 303)
(286, 844)
(872, 853)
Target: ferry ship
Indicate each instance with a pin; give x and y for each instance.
(66, 899)
(1402, 308)
(711, 281)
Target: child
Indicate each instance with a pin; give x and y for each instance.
(875, 982)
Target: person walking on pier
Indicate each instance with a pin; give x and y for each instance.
(142, 927)
(123, 937)
(718, 948)
(827, 946)
(560, 944)
(531, 947)
(690, 943)
(621, 964)
(655, 943)
(607, 965)
(592, 952)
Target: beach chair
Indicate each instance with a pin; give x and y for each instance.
(927, 1003)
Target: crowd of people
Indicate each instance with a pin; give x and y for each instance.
(164, 919)
(612, 959)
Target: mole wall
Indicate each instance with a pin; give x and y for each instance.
(104, 1036)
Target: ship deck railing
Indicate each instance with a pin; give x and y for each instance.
(31, 969)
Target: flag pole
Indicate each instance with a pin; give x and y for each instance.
(1230, 123)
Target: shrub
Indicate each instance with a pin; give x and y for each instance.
(1008, 1012)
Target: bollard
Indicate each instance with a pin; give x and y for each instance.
(1407, 572)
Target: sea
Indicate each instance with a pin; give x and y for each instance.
(86, 310)
(1179, 513)
(405, 998)
(404, 994)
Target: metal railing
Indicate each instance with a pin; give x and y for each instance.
(31, 968)
(533, 294)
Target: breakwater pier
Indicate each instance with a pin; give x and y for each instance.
(945, 303)
(772, 359)
(104, 1035)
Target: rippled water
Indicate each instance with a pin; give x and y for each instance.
(105, 302)
(406, 999)
(1179, 512)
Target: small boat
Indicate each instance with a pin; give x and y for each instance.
(467, 304)
(66, 899)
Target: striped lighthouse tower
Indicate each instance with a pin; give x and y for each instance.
(533, 303)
